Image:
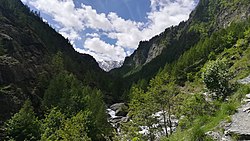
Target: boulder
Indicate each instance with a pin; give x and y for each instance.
(240, 123)
(246, 109)
(246, 100)
(214, 135)
(248, 96)
(125, 119)
(117, 106)
(116, 120)
(121, 109)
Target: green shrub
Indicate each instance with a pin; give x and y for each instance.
(216, 79)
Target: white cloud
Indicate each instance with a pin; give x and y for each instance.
(70, 34)
(165, 13)
(92, 19)
(109, 52)
(63, 12)
(24, 1)
(93, 35)
(127, 33)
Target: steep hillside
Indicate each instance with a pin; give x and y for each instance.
(28, 47)
(209, 16)
(199, 94)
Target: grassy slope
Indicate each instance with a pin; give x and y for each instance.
(238, 57)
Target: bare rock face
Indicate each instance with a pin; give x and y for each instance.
(241, 122)
(226, 16)
(154, 51)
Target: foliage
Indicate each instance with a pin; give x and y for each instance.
(57, 63)
(194, 105)
(51, 124)
(201, 124)
(163, 91)
(159, 98)
(76, 105)
(141, 109)
(65, 93)
(216, 78)
(24, 125)
(76, 128)
(95, 104)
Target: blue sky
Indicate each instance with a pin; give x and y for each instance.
(111, 29)
(128, 9)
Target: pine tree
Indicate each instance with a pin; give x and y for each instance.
(24, 125)
(65, 93)
(95, 104)
(76, 128)
(51, 124)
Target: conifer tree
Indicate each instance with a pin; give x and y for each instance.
(24, 125)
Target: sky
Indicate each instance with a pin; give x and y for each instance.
(110, 30)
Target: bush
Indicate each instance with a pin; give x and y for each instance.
(216, 79)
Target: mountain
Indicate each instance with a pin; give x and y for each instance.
(192, 72)
(209, 16)
(109, 65)
(28, 47)
(184, 80)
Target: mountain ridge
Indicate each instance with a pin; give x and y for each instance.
(206, 18)
(27, 49)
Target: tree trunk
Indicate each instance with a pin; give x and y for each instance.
(165, 121)
(169, 120)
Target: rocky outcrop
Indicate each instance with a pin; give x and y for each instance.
(240, 125)
(227, 15)
(154, 51)
(121, 109)
(240, 122)
(117, 115)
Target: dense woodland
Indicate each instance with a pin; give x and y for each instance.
(194, 81)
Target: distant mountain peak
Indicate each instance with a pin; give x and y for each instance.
(109, 65)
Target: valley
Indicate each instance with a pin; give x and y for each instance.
(189, 83)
